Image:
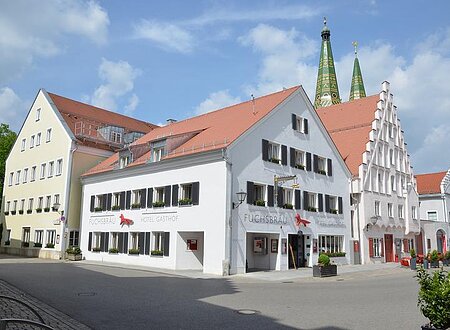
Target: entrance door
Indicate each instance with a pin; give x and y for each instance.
(301, 251)
(296, 251)
(388, 242)
(419, 243)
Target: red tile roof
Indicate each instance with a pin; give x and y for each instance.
(429, 183)
(210, 131)
(349, 125)
(80, 116)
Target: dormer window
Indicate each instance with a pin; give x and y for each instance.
(157, 154)
(116, 137)
(124, 161)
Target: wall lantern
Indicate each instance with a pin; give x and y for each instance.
(373, 221)
(241, 198)
(56, 208)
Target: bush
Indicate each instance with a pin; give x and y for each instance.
(324, 260)
(447, 255)
(434, 256)
(334, 254)
(412, 253)
(73, 250)
(159, 204)
(434, 297)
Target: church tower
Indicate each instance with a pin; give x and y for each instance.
(357, 91)
(327, 91)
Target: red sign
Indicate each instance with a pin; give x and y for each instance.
(125, 221)
(299, 221)
(192, 244)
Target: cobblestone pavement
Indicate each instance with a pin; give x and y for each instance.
(10, 308)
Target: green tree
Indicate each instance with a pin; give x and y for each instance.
(7, 139)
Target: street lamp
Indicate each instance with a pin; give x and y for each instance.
(241, 195)
(62, 219)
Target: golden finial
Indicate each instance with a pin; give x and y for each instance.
(355, 44)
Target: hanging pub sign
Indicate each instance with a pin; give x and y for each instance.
(125, 221)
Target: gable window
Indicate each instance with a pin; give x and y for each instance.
(33, 173)
(432, 215)
(38, 139)
(299, 124)
(116, 137)
(49, 135)
(38, 114)
(400, 211)
(274, 152)
(18, 177)
(32, 142)
(24, 143)
(377, 208)
(51, 166)
(10, 180)
(390, 210)
(157, 154)
(25, 175)
(59, 163)
(43, 167)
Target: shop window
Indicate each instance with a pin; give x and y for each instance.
(376, 245)
(331, 244)
(74, 238)
(38, 237)
(432, 215)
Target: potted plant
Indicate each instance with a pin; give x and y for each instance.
(446, 260)
(25, 244)
(50, 245)
(96, 249)
(426, 261)
(38, 245)
(13, 212)
(333, 211)
(74, 253)
(29, 211)
(288, 206)
(98, 209)
(39, 210)
(133, 251)
(322, 172)
(136, 205)
(6, 212)
(434, 259)
(185, 201)
(434, 298)
(274, 160)
(324, 268)
(113, 250)
(311, 209)
(159, 204)
(20, 211)
(413, 260)
(115, 207)
(46, 209)
(260, 202)
(156, 253)
(300, 166)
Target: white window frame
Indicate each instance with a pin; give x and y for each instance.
(274, 151)
(136, 197)
(22, 205)
(48, 201)
(18, 176)
(56, 199)
(24, 145)
(38, 139)
(300, 123)
(414, 212)
(14, 205)
(134, 240)
(377, 207)
(25, 175)
(322, 164)
(40, 202)
(38, 114)
(96, 240)
(50, 237)
(39, 236)
(300, 158)
(377, 248)
(26, 232)
(33, 174)
(11, 179)
(333, 203)
(115, 200)
(48, 136)
(312, 200)
(30, 203)
(431, 213)
(401, 214)
(114, 240)
(390, 210)
(51, 167)
(59, 166)
(186, 191)
(7, 206)
(158, 194)
(157, 153)
(158, 240)
(43, 171)
(124, 161)
(259, 191)
(331, 243)
(74, 238)
(288, 196)
(32, 142)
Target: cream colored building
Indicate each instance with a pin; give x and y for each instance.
(59, 140)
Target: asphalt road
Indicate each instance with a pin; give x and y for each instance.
(104, 297)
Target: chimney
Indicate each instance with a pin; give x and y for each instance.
(171, 121)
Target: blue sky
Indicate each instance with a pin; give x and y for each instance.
(156, 60)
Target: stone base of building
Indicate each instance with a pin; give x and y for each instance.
(31, 252)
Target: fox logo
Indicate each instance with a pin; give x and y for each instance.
(125, 221)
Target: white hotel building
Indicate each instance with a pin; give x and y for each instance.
(170, 200)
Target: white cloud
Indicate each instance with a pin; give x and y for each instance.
(284, 62)
(215, 101)
(37, 28)
(12, 108)
(118, 78)
(165, 35)
(132, 104)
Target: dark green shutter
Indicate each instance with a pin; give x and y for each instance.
(320, 198)
(305, 200)
(122, 200)
(305, 126)
(270, 195)
(292, 156)
(265, 149)
(327, 204)
(297, 199)
(120, 243)
(167, 190)
(141, 243)
(128, 200)
(329, 167)
(294, 121)
(166, 243)
(340, 206)
(149, 197)
(106, 242)
(102, 242)
(195, 193)
(316, 163)
(108, 202)
(308, 161)
(250, 193)
(90, 241)
(283, 155)
(175, 195)
(125, 242)
(143, 198)
(104, 201)
(147, 243)
(92, 203)
(280, 197)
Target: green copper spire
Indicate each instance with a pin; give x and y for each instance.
(357, 91)
(327, 91)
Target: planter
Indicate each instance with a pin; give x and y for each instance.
(136, 206)
(115, 207)
(38, 245)
(46, 209)
(186, 201)
(74, 257)
(38, 210)
(159, 204)
(413, 263)
(300, 167)
(260, 202)
(324, 271)
(157, 253)
(29, 211)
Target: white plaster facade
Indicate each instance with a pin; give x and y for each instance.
(224, 233)
(385, 206)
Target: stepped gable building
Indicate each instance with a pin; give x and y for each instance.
(59, 140)
(256, 185)
(384, 200)
(434, 196)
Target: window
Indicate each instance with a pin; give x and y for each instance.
(24, 144)
(400, 211)
(260, 194)
(274, 152)
(124, 161)
(8, 236)
(159, 195)
(56, 199)
(43, 167)
(18, 177)
(74, 238)
(114, 241)
(393, 184)
(136, 199)
(22, 206)
(331, 244)
(10, 180)
(391, 157)
(59, 163)
(312, 201)
(134, 241)
(414, 212)
(432, 215)
(33, 173)
(380, 183)
(321, 165)
(38, 237)
(300, 159)
(287, 198)
(377, 208)
(51, 167)
(116, 201)
(390, 210)
(40, 203)
(376, 245)
(48, 202)
(334, 207)
(186, 191)
(8, 204)
(32, 142)
(98, 204)
(49, 135)
(14, 209)
(25, 175)
(158, 241)
(116, 137)
(96, 241)
(30, 205)
(157, 154)
(38, 139)
(38, 114)
(51, 238)
(25, 236)
(301, 125)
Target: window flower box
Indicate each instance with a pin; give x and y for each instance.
(274, 160)
(113, 251)
(25, 244)
(6, 212)
(133, 251)
(300, 166)
(288, 206)
(98, 209)
(157, 253)
(46, 209)
(334, 211)
(50, 246)
(96, 249)
(13, 212)
(322, 172)
(260, 202)
(159, 204)
(38, 245)
(39, 210)
(185, 201)
(7, 243)
(20, 211)
(311, 209)
(136, 206)
(29, 211)
(115, 207)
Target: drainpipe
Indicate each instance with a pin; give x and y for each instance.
(229, 210)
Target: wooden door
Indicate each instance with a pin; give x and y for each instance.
(388, 247)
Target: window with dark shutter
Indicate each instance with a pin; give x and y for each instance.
(294, 121)
(280, 201)
(108, 202)
(340, 206)
(305, 200)
(90, 241)
(250, 193)
(122, 200)
(316, 163)
(297, 198)
(143, 198)
(167, 190)
(102, 242)
(128, 200)
(147, 244)
(149, 198)
(292, 156)
(125, 242)
(175, 195)
(270, 195)
(195, 193)
(308, 161)
(327, 204)
(120, 243)
(92, 203)
(371, 247)
(305, 126)
(265, 149)
(104, 201)
(283, 155)
(320, 198)
(141, 243)
(166, 243)
(106, 242)
(382, 247)
(329, 167)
